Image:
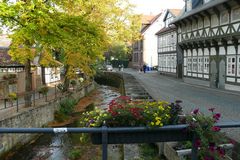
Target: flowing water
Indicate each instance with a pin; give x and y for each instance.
(57, 146)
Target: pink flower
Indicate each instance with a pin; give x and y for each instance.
(216, 129)
(208, 158)
(197, 143)
(195, 111)
(221, 151)
(217, 116)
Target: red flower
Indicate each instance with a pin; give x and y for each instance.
(124, 98)
(216, 129)
(217, 116)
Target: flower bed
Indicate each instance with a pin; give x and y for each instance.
(122, 112)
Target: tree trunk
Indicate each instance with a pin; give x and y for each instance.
(66, 80)
(43, 75)
(28, 84)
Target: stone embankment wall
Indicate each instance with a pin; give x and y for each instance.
(33, 118)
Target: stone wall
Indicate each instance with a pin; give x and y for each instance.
(33, 118)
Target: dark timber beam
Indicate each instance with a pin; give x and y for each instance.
(237, 1)
(235, 43)
(206, 13)
(226, 6)
(216, 11)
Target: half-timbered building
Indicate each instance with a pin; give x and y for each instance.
(167, 39)
(208, 41)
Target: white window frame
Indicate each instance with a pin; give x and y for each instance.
(231, 66)
(194, 64)
(238, 66)
(200, 65)
(214, 17)
(189, 64)
(206, 19)
(238, 18)
(206, 64)
(222, 13)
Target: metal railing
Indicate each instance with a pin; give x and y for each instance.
(105, 131)
(36, 97)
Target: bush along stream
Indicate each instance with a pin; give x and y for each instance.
(75, 146)
(67, 146)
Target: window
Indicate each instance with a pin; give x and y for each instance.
(206, 64)
(206, 21)
(231, 65)
(224, 17)
(200, 23)
(194, 25)
(214, 20)
(238, 72)
(189, 64)
(206, 1)
(189, 5)
(200, 64)
(194, 64)
(236, 14)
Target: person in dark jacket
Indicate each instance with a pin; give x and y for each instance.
(144, 68)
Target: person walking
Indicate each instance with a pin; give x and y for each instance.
(144, 68)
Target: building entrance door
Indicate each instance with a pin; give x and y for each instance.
(213, 72)
(222, 72)
(217, 71)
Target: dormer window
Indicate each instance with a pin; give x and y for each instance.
(168, 19)
(206, 1)
(188, 5)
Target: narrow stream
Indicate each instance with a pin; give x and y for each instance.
(57, 146)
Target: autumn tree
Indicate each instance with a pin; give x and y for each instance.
(81, 29)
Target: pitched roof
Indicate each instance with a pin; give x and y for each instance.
(5, 58)
(146, 19)
(175, 12)
(201, 8)
(166, 29)
(150, 23)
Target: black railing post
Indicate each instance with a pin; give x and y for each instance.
(55, 90)
(46, 97)
(104, 142)
(17, 104)
(34, 98)
(5, 103)
(194, 147)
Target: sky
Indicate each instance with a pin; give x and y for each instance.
(155, 6)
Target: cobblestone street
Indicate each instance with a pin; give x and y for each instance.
(193, 96)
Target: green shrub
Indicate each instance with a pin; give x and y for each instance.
(60, 117)
(43, 90)
(74, 154)
(73, 82)
(61, 87)
(67, 106)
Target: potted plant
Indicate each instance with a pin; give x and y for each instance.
(123, 112)
(43, 90)
(12, 97)
(211, 143)
(209, 138)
